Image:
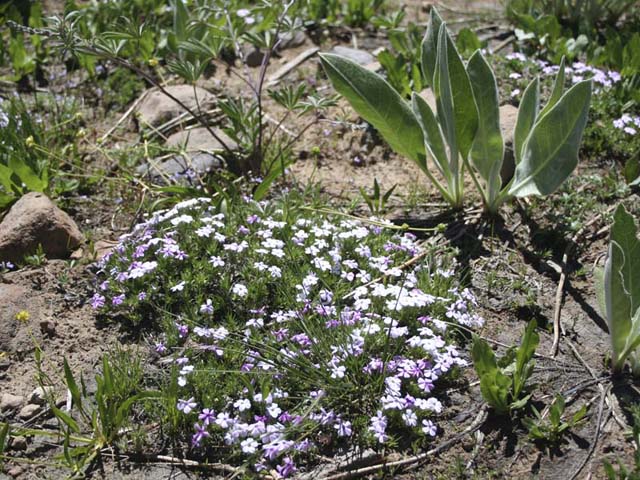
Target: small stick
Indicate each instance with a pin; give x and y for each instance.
(124, 116)
(603, 396)
(477, 423)
(556, 314)
(286, 68)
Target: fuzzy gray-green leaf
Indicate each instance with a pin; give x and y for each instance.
(550, 152)
(487, 148)
(379, 104)
(429, 46)
(432, 134)
(527, 115)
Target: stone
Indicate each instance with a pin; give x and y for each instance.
(157, 108)
(199, 139)
(9, 401)
(41, 395)
(15, 471)
(48, 327)
(199, 157)
(292, 39)
(35, 220)
(19, 443)
(29, 411)
(359, 56)
(253, 56)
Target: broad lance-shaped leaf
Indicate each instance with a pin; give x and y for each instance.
(550, 152)
(454, 96)
(556, 93)
(379, 104)
(527, 115)
(622, 283)
(432, 134)
(487, 148)
(429, 46)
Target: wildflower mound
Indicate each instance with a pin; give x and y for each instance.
(282, 336)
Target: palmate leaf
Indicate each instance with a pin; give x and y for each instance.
(379, 104)
(550, 152)
(488, 148)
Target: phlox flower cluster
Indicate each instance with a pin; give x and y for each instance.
(628, 124)
(325, 335)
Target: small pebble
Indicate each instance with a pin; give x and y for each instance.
(19, 443)
(29, 411)
(10, 402)
(41, 395)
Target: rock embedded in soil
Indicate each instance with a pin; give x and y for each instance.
(200, 157)
(19, 443)
(9, 401)
(292, 39)
(41, 394)
(156, 108)
(35, 220)
(359, 56)
(253, 56)
(29, 411)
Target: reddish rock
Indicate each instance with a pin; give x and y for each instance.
(35, 220)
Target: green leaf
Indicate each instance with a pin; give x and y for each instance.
(66, 419)
(72, 385)
(467, 42)
(550, 152)
(524, 355)
(527, 114)
(556, 93)
(622, 285)
(488, 148)
(434, 143)
(429, 46)
(27, 176)
(454, 96)
(379, 104)
(494, 385)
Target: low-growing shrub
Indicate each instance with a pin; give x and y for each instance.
(282, 334)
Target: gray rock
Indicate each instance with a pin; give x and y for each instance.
(157, 108)
(10, 402)
(35, 220)
(200, 156)
(179, 168)
(19, 443)
(41, 395)
(29, 411)
(200, 140)
(356, 55)
(253, 56)
(292, 39)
